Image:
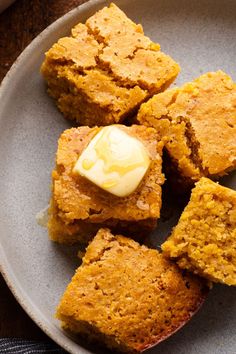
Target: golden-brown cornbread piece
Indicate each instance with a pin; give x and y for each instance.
(78, 205)
(134, 297)
(106, 69)
(83, 231)
(204, 241)
(198, 121)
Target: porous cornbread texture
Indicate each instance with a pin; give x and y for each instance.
(204, 241)
(78, 207)
(198, 122)
(128, 296)
(105, 69)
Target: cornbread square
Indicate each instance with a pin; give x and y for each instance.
(105, 69)
(79, 207)
(204, 241)
(198, 122)
(128, 296)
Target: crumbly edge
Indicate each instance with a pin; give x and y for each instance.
(190, 162)
(178, 249)
(76, 104)
(60, 232)
(185, 262)
(82, 231)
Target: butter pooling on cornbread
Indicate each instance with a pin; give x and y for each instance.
(106, 69)
(204, 240)
(78, 205)
(114, 161)
(198, 123)
(128, 296)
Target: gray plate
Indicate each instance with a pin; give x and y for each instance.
(201, 36)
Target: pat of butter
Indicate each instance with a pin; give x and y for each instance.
(114, 161)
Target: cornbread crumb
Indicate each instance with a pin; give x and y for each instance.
(106, 69)
(80, 208)
(198, 123)
(128, 296)
(204, 241)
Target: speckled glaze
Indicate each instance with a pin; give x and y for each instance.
(200, 35)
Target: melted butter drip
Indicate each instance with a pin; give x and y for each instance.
(87, 164)
(109, 184)
(107, 149)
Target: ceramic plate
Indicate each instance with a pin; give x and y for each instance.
(200, 35)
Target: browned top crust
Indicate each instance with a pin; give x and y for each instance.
(132, 57)
(199, 121)
(111, 53)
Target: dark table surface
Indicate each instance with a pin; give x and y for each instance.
(19, 24)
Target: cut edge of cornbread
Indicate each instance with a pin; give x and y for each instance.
(82, 231)
(188, 159)
(177, 134)
(204, 239)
